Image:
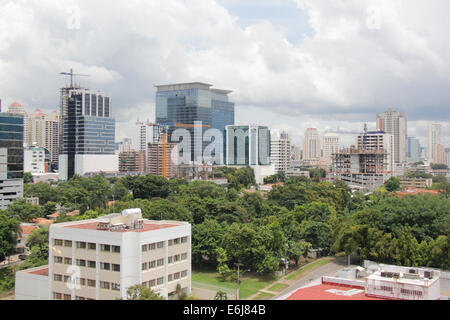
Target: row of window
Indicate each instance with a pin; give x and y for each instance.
(412, 292)
(170, 278)
(86, 245)
(159, 245)
(177, 258)
(88, 263)
(152, 264)
(177, 275)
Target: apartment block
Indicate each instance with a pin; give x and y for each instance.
(99, 259)
(132, 161)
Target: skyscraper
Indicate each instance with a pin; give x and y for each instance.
(435, 149)
(11, 158)
(395, 123)
(330, 146)
(311, 145)
(280, 150)
(87, 133)
(413, 149)
(180, 106)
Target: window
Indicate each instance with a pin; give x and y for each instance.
(170, 260)
(57, 296)
(160, 262)
(151, 264)
(152, 283)
(91, 264)
(57, 277)
(67, 297)
(169, 278)
(92, 246)
(66, 278)
(67, 260)
(184, 274)
(81, 263)
(184, 256)
(160, 245)
(176, 258)
(68, 243)
(81, 245)
(105, 247)
(82, 281)
(115, 286)
(170, 242)
(91, 283)
(152, 246)
(104, 285)
(58, 242)
(58, 259)
(160, 281)
(144, 266)
(144, 247)
(105, 266)
(116, 267)
(184, 240)
(116, 249)
(176, 275)
(176, 241)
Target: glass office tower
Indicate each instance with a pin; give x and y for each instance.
(11, 158)
(182, 105)
(88, 133)
(247, 146)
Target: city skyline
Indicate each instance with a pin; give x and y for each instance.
(291, 85)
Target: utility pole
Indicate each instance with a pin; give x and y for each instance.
(238, 281)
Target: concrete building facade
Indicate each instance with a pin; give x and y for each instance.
(396, 124)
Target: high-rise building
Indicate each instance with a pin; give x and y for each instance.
(249, 146)
(330, 146)
(16, 108)
(99, 259)
(132, 161)
(280, 151)
(161, 159)
(413, 149)
(447, 157)
(42, 130)
(395, 123)
(185, 105)
(36, 160)
(311, 145)
(11, 158)
(434, 143)
(87, 133)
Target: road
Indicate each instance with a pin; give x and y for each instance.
(330, 269)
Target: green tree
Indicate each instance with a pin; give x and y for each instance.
(206, 239)
(9, 232)
(222, 266)
(38, 239)
(140, 292)
(27, 177)
(49, 208)
(297, 249)
(221, 295)
(43, 191)
(118, 191)
(164, 209)
(148, 187)
(23, 211)
(392, 185)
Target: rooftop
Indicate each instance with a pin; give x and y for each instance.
(147, 227)
(330, 292)
(40, 271)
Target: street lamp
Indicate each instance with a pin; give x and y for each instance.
(238, 281)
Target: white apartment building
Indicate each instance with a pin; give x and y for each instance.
(395, 123)
(280, 150)
(330, 146)
(311, 145)
(435, 149)
(99, 259)
(34, 160)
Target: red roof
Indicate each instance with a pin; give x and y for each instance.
(325, 292)
(16, 104)
(147, 227)
(42, 221)
(54, 215)
(26, 230)
(41, 272)
(416, 192)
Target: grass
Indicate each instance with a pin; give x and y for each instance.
(263, 296)
(278, 287)
(250, 282)
(295, 275)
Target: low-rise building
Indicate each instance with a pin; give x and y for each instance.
(415, 183)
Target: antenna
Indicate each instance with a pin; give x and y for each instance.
(71, 74)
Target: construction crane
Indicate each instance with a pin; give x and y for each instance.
(163, 141)
(71, 74)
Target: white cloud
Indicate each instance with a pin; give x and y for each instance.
(363, 57)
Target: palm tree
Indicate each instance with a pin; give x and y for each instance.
(221, 295)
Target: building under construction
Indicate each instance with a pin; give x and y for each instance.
(132, 161)
(367, 166)
(160, 161)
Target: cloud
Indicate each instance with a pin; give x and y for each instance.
(361, 58)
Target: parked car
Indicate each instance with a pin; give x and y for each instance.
(22, 256)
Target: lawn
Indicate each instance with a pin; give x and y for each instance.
(278, 287)
(263, 296)
(250, 282)
(295, 275)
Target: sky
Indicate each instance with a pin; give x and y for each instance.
(291, 64)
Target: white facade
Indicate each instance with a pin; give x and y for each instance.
(34, 160)
(311, 145)
(395, 123)
(32, 284)
(280, 150)
(86, 163)
(330, 146)
(433, 142)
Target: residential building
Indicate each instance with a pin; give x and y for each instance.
(415, 183)
(414, 152)
(162, 160)
(16, 108)
(396, 124)
(125, 145)
(249, 146)
(36, 160)
(280, 151)
(87, 133)
(99, 259)
(132, 161)
(42, 130)
(447, 157)
(195, 107)
(434, 146)
(330, 146)
(311, 145)
(11, 158)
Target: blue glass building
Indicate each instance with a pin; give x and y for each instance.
(182, 105)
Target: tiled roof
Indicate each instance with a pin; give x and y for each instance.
(330, 292)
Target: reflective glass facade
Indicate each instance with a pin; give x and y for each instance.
(11, 138)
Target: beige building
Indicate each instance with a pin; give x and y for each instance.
(415, 183)
(330, 146)
(311, 145)
(100, 259)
